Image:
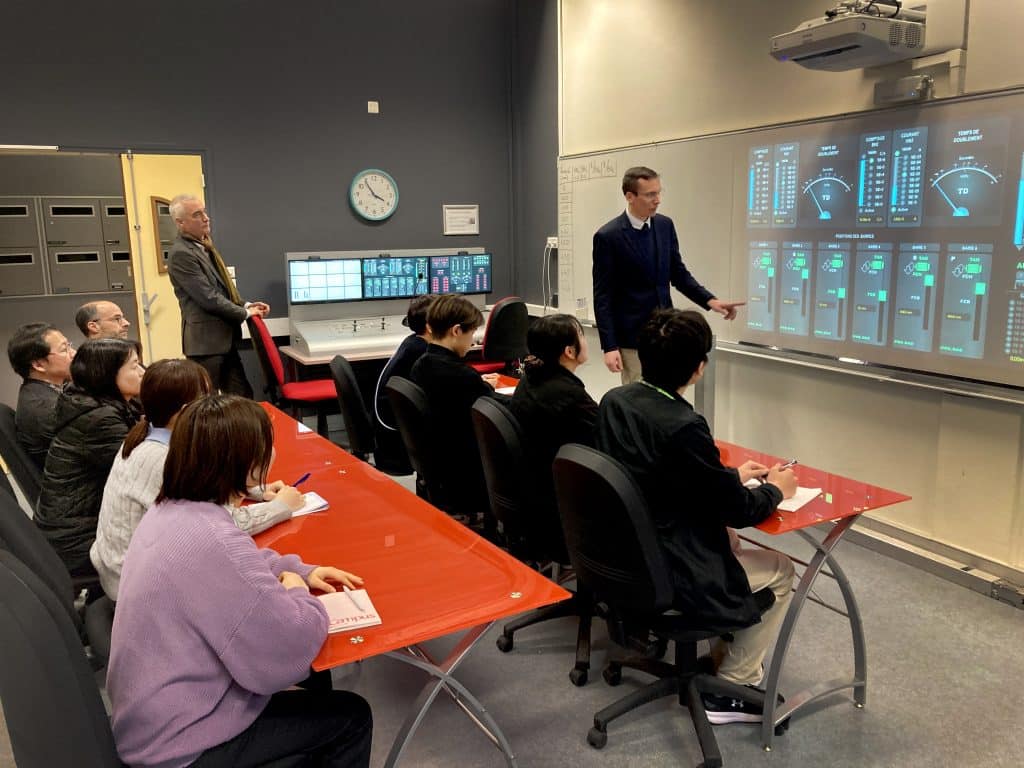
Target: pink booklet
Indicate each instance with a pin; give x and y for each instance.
(351, 609)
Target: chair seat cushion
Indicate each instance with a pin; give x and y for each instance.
(309, 391)
(487, 367)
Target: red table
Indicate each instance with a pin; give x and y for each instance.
(841, 502)
(427, 575)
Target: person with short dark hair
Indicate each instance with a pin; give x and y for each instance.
(134, 480)
(553, 408)
(42, 356)
(452, 387)
(694, 499)
(210, 629)
(92, 418)
(636, 260)
(102, 320)
(390, 453)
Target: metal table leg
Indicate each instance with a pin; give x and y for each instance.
(443, 679)
(774, 713)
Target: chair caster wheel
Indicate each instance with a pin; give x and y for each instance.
(782, 727)
(597, 738)
(578, 677)
(504, 643)
(612, 675)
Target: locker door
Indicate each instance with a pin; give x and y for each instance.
(119, 268)
(72, 221)
(18, 222)
(77, 270)
(114, 216)
(21, 271)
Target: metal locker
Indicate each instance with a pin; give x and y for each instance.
(77, 269)
(72, 221)
(114, 216)
(119, 268)
(21, 271)
(18, 223)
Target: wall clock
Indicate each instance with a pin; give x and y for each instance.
(373, 194)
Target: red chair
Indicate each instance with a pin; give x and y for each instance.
(294, 395)
(504, 337)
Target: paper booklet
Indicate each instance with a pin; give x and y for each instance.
(350, 610)
(801, 497)
(312, 502)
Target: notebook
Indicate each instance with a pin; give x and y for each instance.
(801, 497)
(312, 502)
(350, 610)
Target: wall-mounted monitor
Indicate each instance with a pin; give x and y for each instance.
(394, 277)
(316, 280)
(461, 273)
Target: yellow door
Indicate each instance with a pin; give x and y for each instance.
(147, 177)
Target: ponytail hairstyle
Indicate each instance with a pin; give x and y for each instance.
(548, 337)
(167, 387)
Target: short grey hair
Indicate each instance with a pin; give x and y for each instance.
(178, 203)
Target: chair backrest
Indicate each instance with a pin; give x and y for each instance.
(25, 472)
(52, 705)
(5, 483)
(269, 357)
(611, 538)
(361, 437)
(20, 536)
(409, 404)
(500, 439)
(505, 335)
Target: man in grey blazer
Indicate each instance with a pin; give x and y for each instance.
(212, 312)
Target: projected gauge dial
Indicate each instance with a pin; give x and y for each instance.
(828, 194)
(967, 189)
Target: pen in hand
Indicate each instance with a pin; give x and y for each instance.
(351, 596)
(788, 465)
(301, 480)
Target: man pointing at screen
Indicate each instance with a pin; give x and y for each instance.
(636, 259)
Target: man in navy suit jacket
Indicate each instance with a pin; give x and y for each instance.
(636, 258)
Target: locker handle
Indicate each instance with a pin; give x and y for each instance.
(112, 242)
(56, 242)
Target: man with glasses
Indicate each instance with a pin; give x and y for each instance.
(636, 259)
(41, 355)
(102, 320)
(212, 311)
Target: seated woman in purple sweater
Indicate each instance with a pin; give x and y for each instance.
(210, 629)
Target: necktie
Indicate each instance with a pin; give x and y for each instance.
(222, 271)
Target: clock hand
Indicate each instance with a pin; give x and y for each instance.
(373, 193)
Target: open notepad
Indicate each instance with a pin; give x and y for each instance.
(311, 502)
(350, 610)
(801, 497)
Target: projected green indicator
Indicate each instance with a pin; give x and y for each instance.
(974, 269)
(979, 289)
(805, 274)
(799, 263)
(883, 295)
(766, 260)
(837, 263)
(841, 293)
(828, 497)
(929, 280)
(771, 271)
(878, 264)
(922, 266)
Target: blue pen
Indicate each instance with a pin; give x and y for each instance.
(301, 480)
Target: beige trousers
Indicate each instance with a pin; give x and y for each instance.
(630, 365)
(745, 654)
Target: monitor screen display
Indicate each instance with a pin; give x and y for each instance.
(461, 273)
(394, 277)
(315, 280)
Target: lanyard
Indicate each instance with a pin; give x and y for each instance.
(658, 389)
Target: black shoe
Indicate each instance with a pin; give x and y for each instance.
(726, 709)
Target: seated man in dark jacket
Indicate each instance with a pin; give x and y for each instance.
(693, 497)
(41, 355)
(553, 408)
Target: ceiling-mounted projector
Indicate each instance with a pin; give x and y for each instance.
(850, 41)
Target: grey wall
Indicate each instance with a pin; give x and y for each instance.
(275, 96)
(535, 141)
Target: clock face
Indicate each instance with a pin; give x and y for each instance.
(373, 194)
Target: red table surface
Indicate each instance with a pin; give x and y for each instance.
(840, 496)
(427, 575)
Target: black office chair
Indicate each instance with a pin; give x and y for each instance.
(533, 532)
(615, 550)
(5, 484)
(26, 473)
(20, 537)
(504, 339)
(362, 441)
(409, 405)
(52, 705)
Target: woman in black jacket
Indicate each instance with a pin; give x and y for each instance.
(91, 419)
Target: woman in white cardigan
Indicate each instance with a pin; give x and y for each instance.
(134, 480)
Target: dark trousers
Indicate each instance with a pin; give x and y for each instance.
(226, 373)
(328, 729)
